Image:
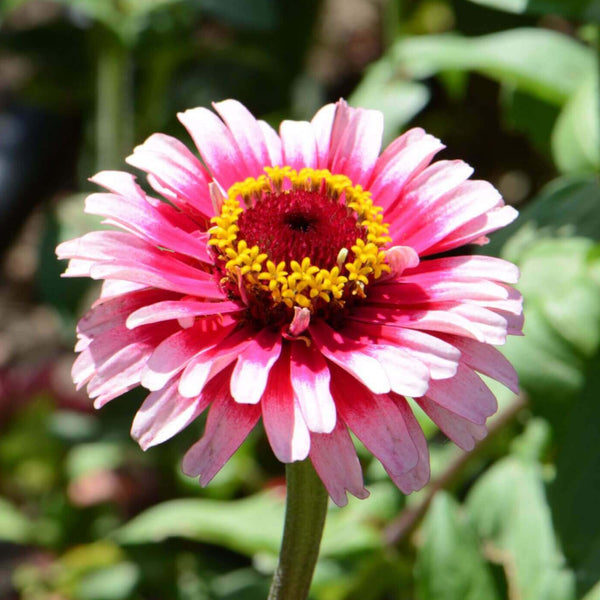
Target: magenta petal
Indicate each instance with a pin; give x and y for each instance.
(487, 360)
(335, 461)
(418, 476)
(163, 414)
(465, 395)
(284, 425)
(250, 374)
(322, 124)
(350, 356)
(310, 381)
(377, 422)
(272, 142)
(247, 134)
(227, 426)
(461, 431)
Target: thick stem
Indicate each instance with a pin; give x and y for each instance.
(306, 507)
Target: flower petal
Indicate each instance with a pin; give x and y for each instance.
(227, 426)
(335, 461)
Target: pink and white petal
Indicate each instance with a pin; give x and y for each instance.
(474, 231)
(461, 431)
(227, 426)
(119, 182)
(487, 360)
(468, 267)
(355, 142)
(468, 201)
(440, 357)
(246, 132)
(402, 160)
(334, 458)
(465, 395)
(322, 124)
(441, 321)
(212, 360)
(284, 425)
(493, 325)
(142, 220)
(216, 145)
(376, 421)
(112, 288)
(179, 173)
(424, 191)
(310, 380)
(299, 145)
(174, 353)
(163, 414)
(407, 375)
(251, 371)
(178, 309)
(419, 475)
(273, 143)
(350, 356)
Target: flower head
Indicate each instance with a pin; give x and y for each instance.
(295, 277)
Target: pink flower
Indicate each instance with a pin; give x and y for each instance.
(294, 277)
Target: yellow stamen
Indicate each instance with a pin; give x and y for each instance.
(301, 283)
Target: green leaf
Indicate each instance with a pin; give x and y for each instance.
(509, 510)
(450, 563)
(576, 135)
(14, 526)
(581, 9)
(115, 582)
(575, 493)
(518, 57)
(254, 525)
(399, 99)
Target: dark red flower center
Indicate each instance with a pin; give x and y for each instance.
(297, 224)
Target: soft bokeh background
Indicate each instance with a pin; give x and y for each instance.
(511, 86)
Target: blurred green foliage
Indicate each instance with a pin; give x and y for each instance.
(510, 85)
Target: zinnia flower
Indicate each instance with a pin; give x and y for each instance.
(297, 277)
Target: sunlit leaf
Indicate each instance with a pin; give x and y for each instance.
(518, 57)
(576, 136)
(14, 526)
(582, 9)
(509, 510)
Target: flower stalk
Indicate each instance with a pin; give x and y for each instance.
(306, 507)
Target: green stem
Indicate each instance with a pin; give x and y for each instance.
(114, 117)
(306, 507)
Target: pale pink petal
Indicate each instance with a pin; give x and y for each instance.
(227, 426)
(474, 267)
(247, 134)
(299, 145)
(284, 425)
(465, 395)
(177, 309)
(212, 360)
(310, 381)
(440, 357)
(377, 422)
(400, 258)
(468, 201)
(172, 355)
(273, 143)
(350, 356)
(474, 231)
(250, 374)
(355, 142)
(322, 124)
(461, 431)
(216, 145)
(163, 414)
(401, 160)
(335, 461)
(180, 176)
(487, 360)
